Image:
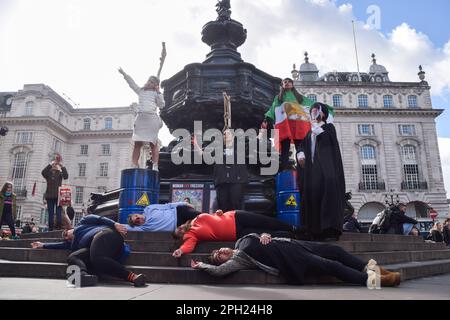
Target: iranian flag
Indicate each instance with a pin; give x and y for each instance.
(292, 120)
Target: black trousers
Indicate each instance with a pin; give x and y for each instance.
(229, 196)
(52, 206)
(248, 222)
(185, 214)
(334, 261)
(284, 156)
(7, 218)
(102, 256)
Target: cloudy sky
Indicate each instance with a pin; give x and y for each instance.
(76, 46)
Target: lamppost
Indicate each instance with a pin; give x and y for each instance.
(389, 198)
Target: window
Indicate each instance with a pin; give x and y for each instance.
(409, 155)
(19, 171)
(79, 192)
(370, 177)
(410, 167)
(60, 116)
(363, 101)
(366, 129)
(407, 129)
(104, 169)
(108, 123)
(412, 102)
(312, 97)
(82, 169)
(102, 189)
(411, 172)
(29, 108)
(24, 138)
(106, 149)
(368, 152)
(337, 101)
(87, 124)
(388, 101)
(57, 145)
(84, 149)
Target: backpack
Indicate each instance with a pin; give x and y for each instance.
(385, 222)
(382, 222)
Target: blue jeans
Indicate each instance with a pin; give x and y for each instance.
(51, 204)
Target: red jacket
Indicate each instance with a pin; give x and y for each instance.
(210, 227)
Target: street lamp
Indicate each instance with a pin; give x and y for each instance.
(391, 197)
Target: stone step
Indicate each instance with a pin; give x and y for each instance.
(167, 236)
(166, 259)
(207, 247)
(185, 275)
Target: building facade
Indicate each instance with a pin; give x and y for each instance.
(95, 145)
(388, 139)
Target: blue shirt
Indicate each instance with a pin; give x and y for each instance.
(159, 218)
(84, 233)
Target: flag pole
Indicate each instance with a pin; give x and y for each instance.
(356, 50)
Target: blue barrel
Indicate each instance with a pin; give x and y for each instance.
(140, 188)
(288, 198)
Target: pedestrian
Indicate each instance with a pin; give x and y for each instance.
(54, 174)
(8, 208)
(446, 232)
(436, 233)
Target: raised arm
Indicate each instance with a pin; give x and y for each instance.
(130, 81)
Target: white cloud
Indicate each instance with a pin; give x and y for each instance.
(444, 146)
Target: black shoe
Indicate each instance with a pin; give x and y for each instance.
(88, 280)
(139, 281)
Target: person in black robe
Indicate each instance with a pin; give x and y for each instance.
(322, 181)
(293, 260)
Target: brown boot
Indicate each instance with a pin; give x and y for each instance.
(390, 280)
(384, 272)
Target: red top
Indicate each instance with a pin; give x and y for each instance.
(210, 227)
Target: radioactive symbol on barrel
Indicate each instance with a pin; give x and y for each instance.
(291, 201)
(143, 201)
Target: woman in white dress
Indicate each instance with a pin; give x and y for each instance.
(147, 122)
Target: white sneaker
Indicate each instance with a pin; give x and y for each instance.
(135, 166)
(155, 168)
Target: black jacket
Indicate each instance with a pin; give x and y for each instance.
(446, 233)
(437, 236)
(397, 219)
(232, 173)
(351, 224)
(54, 181)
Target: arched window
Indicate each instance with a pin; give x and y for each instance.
(87, 124)
(19, 172)
(337, 101)
(29, 108)
(108, 123)
(368, 152)
(388, 101)
(412, 102)
(369, 168)
(363, 101)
